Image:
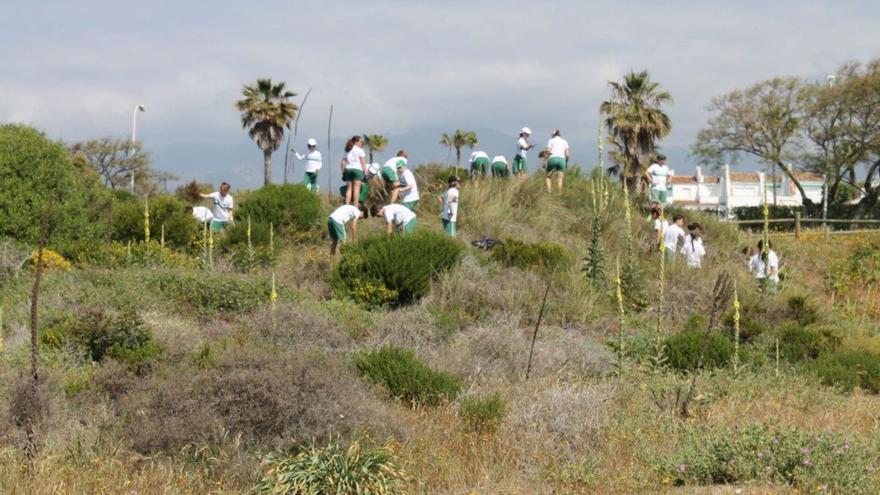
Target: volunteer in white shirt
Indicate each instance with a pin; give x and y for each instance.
(658, 175)
(409, 189)
(765, 266)
(559, 153)
(337, 220)
(202, 214)
(313, 164)
(693, 249)
(520, 160)
(449, 208)
(672, 233)
(389, 175)
(354, 169)
(500, 167)
(479, 162)
(397, 218)
(222, 209)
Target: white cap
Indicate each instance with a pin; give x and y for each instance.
(526, 130)
(312, 142)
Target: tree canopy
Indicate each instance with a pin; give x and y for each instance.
(266, 110)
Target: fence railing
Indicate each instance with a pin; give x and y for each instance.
(825, 224)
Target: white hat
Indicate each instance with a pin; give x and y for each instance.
(525, 130)
(312, 142)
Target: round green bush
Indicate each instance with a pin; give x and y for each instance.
(181, 229)
(797, 343)
(395, 269)
(289, 206)
(546, 257)
(683, 350)
(406, 377)
(849, 369)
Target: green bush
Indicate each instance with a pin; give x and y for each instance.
(859, 270)
(394, 269)
(290, 206)
(122, 337)
(755, 453)
(34, 169)
(262, 250)
(333, 470)
(122, 255)
(542, 256)
(405, 377)
(683, 350)
(801, 311)
(482, 413)
(181, 229)
(797, 343)
(212, 292)
(751, 325)
(849, 369)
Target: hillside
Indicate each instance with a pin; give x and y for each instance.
(221, 373)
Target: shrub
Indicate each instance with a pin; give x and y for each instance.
(405, 377)
(542, 256)
(754, 453)
(333, 469)
(121, 255)
(51, 261)
(286, 206)
(482, 413)
(797, 343)
(751, 325)
(801, 311)
(397, 269)
(859, 270)
(683, 350)
(849, 369)
(213, 292)
(181, 229)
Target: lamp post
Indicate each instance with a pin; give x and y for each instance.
(134, 114)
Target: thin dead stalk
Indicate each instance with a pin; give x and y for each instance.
(537, 326)
(35, 292)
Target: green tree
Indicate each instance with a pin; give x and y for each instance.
(375, 143)
(458, 140)
(116, 159)
(636, 121)
(266, 110)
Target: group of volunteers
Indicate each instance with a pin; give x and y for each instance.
(554, 160)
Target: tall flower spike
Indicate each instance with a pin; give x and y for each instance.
(147, 220)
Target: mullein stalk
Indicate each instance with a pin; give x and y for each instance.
(736, 336)
(271, 239)
(765, 249)
(1, 330)
(621, 321)
(211, 249)
(204, 245)
(777, 357)
(250, 246)
(273, 296)
(162, 236)
(147, 220)
(659, 357)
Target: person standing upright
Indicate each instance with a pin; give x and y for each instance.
(313, 164)
(658, 175)
(449, 206)
(409, 188)
(559, 153)
(520, 161)
(223, 207)
(354, 169)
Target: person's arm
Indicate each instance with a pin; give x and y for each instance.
(205, 196)
(342, 165)
(567, 154)
(364, 166)
(354, 229)
(297, 155)
(389, 227)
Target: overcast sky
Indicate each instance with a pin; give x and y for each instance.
(77, 68)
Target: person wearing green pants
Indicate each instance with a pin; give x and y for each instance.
(398, 218)
(313, 165)
(409, 189)
(337, 220)
(449, 208)
(479, 164)
(558, 152)
(500, 167)
(520, 160)
(223, 208)
(354, 169)
(389, 175)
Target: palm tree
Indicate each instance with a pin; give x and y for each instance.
(265, 112)
(635, 121)
(458, 140)
(375, 143)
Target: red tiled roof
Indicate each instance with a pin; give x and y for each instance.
(691, 179)
(808, 177)
(743, 177)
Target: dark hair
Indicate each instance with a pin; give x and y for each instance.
(660, 158)
(695, 226)
(761, 245)
(350, 143)
(555, 133)
(453, 178)
(374, 210)
(226, 185)
(655, 211)
(364, 211)
(401, 153)
(187, 209)
(676, 218)
(542, 154)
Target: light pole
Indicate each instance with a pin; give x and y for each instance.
(832, 78)
(134, 115)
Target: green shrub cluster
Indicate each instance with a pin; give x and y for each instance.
(751, 324)
(289, 206)
(861, 269)
(213, 292)
(683, 350)
(797, 343)
(801, 311)
(333, 469)
(393, 269)
(755, 453)
(547, 257)
(100, 335)
(848, 369)
(405, 377)
(121, 255)
(181, 229)
(482, 413)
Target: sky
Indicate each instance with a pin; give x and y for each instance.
(76, 69)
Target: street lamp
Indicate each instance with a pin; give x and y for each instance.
(134, 114)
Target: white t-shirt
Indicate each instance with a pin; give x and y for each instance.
(395, 162)
(693, 251)
(522, 147)
(450, 205)
(756, 266)
(659, 224)
(222, 206)
(659, 175)
(313, 160)
(671, 234)
(557, 146)
(397, 215)
(407, 178)
(345, 214)
(499, 158)
(353, 158)
(202, 214)
(478, 154)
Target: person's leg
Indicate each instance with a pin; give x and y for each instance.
(355, 192)
(670, 255)
(548, 181)
(560, 179)
(348, 192)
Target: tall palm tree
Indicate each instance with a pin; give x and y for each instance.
(375, 143)
(266, 110)
(458, 140)
(635, 122)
